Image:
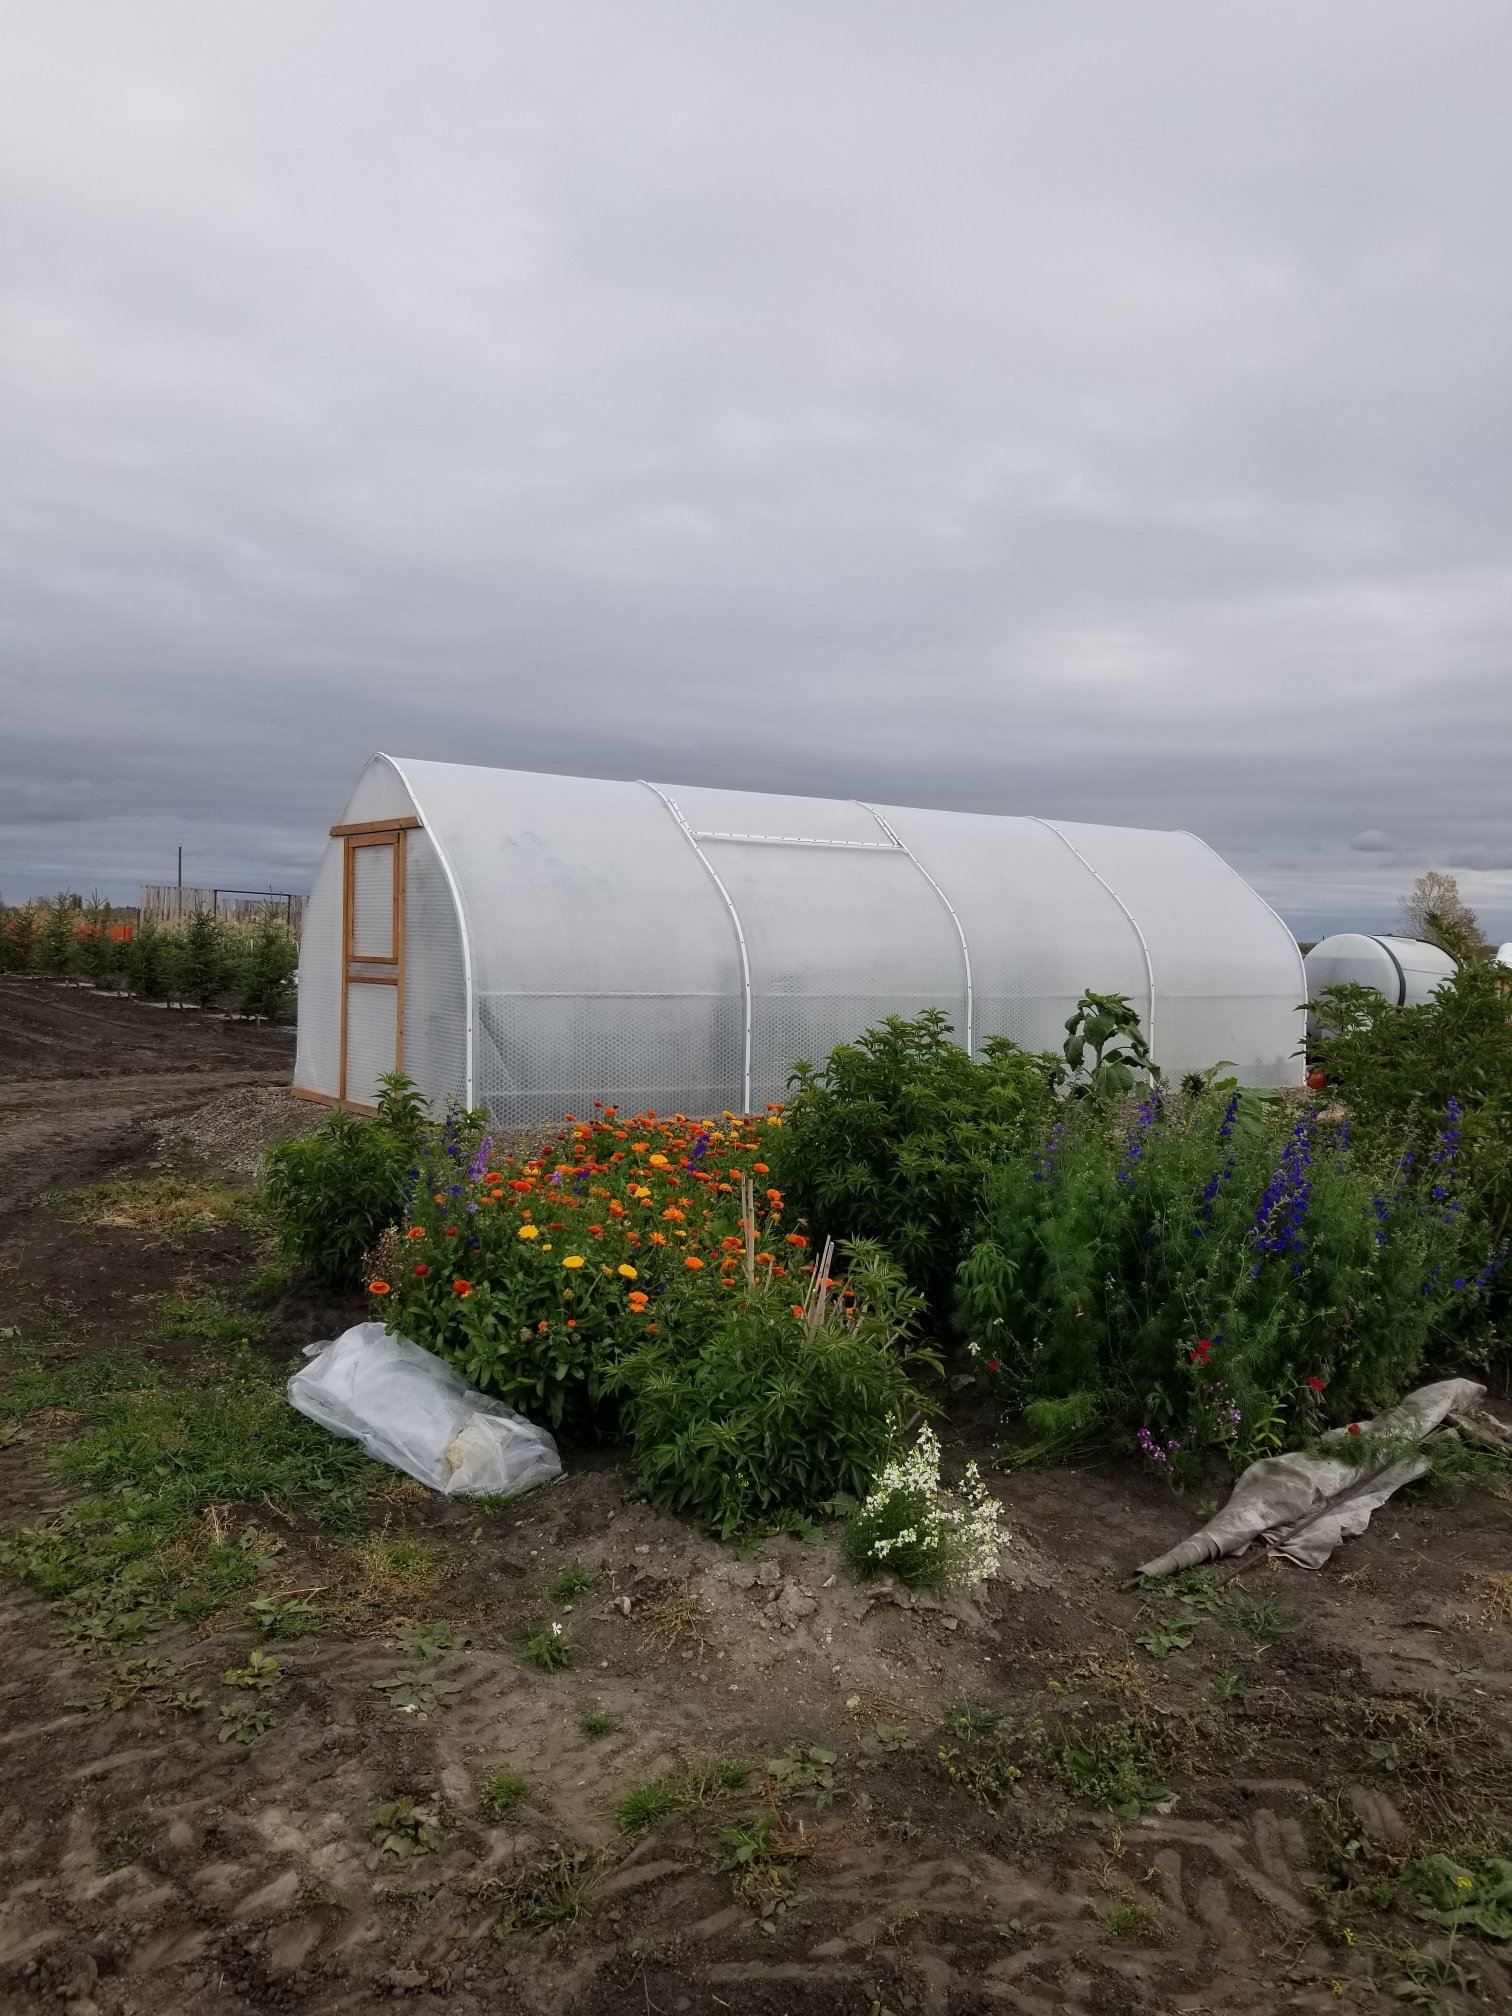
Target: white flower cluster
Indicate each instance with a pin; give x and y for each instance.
(961, 1527)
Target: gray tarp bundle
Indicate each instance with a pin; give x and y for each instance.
(1303, 1506)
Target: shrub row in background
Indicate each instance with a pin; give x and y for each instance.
(209, 961)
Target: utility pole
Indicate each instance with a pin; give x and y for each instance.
(181, 868)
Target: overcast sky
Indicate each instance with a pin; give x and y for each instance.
(1098, 410)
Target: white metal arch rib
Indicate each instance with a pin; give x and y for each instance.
(740, 938)
(899, 842)
(1050, 826)
(469, 986)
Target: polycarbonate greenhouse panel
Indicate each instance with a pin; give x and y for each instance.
(678, 947)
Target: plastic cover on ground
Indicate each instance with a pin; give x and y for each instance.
(408, 1409)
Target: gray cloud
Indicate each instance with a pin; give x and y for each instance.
(1094, 411)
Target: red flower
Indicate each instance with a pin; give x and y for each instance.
(992, 1364)
(1316, 1383)
(1203, 1352)
(422, 1270)
(1354, 1427)
(461, 1287)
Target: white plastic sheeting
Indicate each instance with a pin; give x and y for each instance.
(407, 1408)
(679, 948)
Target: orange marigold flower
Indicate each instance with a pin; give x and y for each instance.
(440, 1196)
(761, 1168)
(796, 1307)
(693, 1261)
(462, 1288)
(378, 1287)
(596, 1231)
(774, 1196)
(415, 1232)
(658, 1238)
(674, 1213)
(653, 1329)
(796, 1239)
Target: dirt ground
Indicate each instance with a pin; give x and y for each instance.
(1282, 1744)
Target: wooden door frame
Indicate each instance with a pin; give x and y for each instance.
(372, 833)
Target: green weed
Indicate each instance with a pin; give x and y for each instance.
(261, 1672)
(1164, 1637)
(759, 1855)
(245, 1725)
(284, 1616)
(1262, 1618)
(807, 1773)
(500, 1793)
(430, 1641)
(595, 1725)
(407, 1827)
(548, 1646)
(417, 1693)
(573, 1581)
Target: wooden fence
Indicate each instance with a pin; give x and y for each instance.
(166, 902)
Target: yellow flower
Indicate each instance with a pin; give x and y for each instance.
(573, 1260)
(658, 1161)
(530, 1232)
(630, 1273)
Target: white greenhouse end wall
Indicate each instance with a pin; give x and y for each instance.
(557, 940)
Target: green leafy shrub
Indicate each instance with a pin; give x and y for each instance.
(1397, 1069)
(333, 1193)
(771, 1416)
(893, 1137)
(1205, 1264)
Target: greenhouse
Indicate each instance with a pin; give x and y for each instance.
(532, 943)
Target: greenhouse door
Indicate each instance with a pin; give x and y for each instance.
(372, 992)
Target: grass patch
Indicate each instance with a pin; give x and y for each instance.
(550, 1894)
(158, 1461)
(595, 1726)
(501, 1792)
(392, 1569)
(208, 1319)
(165, 1207)
(695, 1785)
(1135, 1924)
(675, 1621)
